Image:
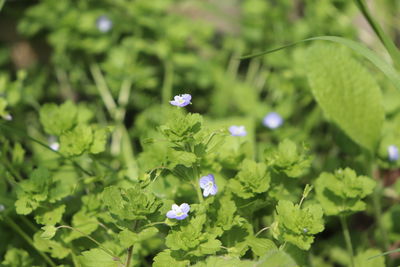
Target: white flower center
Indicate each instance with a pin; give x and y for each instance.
(209, 185)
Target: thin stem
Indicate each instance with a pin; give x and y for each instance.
(152, 224)
(103, 89)
(166, 90)
(128, 260)
(196, 185)
(347, 239)
(376, 198)
(106, 250)
(262, 230)
(28, 239)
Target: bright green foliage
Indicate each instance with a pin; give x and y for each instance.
(164, 258)
(347, 93)
(97, 257)
(289, 159)
(16, 257)
(83, 138)
(56, 249)
(129, 238)
(297, 225)
(261, 246)
(252, 179)
(341, 193)
(182, 127)
(50, 217)
(226, 212)
(276, 258)
(58, 119)
(192, 239)
(49, 232)
(362, 259)
(181, 157)
(130, 204)
(33, 191)
(224, 261)
(85, 222)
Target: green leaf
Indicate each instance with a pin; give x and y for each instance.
(97, 257)
(85, 222)
(260, 246)
(224, 261)
(16, 257)
(297, 225)
(363, 259)
(54, 248)
(347, 93)
(129, 238)
(164, 258)
(76, 141)
(289, 159)
(131, 204)
(49, 232)
(100, 137)
(181, 127)
(50, 217)
(181, 157)
(58, 119)
(252, 179)
(33, 191)
(276, 258)
(343, 191)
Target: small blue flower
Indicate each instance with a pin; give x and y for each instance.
(104, 24)
(272, 120)
(179, 212)
(181, 100)
(207, 183)
(393, 153)
(2, 208)
(237, 130)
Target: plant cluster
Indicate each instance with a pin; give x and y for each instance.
(290, 159)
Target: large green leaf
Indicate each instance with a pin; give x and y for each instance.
(347, 93)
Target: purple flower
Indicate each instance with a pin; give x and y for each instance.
(181, 100)
(272, 120)
(179, 212)
(104, 24)
(237, 130)
(207, 183)
(393, 153)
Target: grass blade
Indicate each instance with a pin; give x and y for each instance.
(382, 65)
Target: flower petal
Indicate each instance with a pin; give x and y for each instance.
(185, 207)
(183, 216)
(171, 214)
(205, 180)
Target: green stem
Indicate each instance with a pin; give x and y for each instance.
(376, 198)
(166, 90)
(128, 260)
(28, 239)
(383, 37)
(262, 230)
(347, 239)
(196, 184)
(104, 91)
